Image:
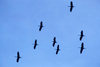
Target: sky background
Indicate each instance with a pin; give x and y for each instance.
(19, 20)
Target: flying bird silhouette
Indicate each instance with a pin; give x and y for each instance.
(41, 25)
(57, 49)
(82, 47)
(54, 41)
(35, 44)
(81, 36)
(71, 6)
(18, 57)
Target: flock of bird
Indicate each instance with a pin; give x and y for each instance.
(82, 45)
(54, 39)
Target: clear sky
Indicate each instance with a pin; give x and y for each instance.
(19, 20)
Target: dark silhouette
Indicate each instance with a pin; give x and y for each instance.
(81, 36)
(57, 49)
(35, 44)
(54, 41)
(82, 47)
(71, 6)
(18, 57)
(41, 25)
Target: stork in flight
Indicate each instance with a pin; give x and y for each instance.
(71, 6)
(81, 36)
(82, 47)
(18, 57)
(54, 41)
(57, 49)
(41, 25)
(35, 44)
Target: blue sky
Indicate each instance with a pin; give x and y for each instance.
(19, 20)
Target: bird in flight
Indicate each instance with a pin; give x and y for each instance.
(18, 57)
(57, 49)
(82, 47)
(81, 36)
(35, 44)
(41, 25)
(54, 41)
(71, 6)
